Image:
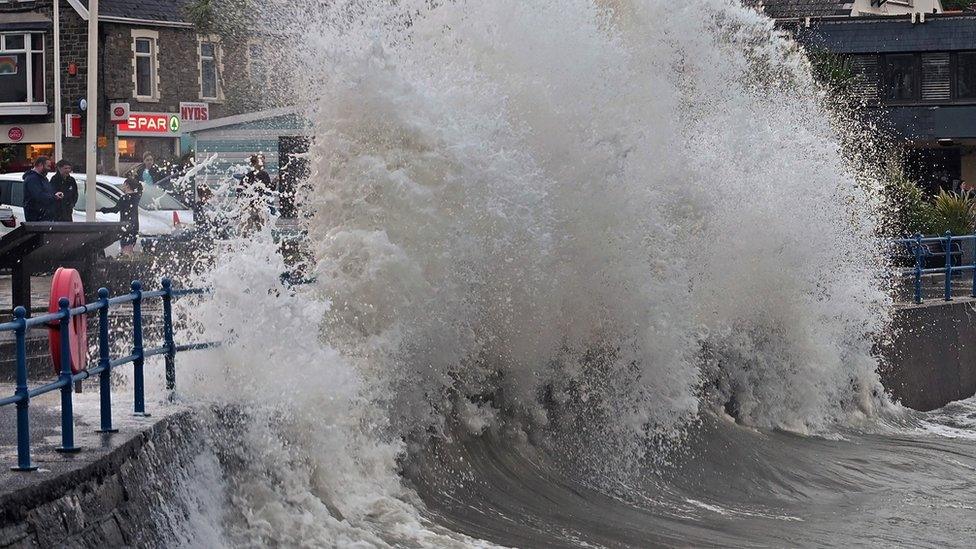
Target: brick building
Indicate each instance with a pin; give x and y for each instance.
(150, 57)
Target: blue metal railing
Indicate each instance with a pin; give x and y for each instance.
(22, 395)
(917, 246)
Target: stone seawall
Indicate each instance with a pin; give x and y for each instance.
(932, 358)
(108, 501)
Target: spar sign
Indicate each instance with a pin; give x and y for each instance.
(151, 124)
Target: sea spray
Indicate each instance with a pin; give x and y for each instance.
(584, 221)
(493, 201)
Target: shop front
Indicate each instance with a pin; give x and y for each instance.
(20, 144)
(143, 132)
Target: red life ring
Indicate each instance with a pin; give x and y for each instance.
(67, 283)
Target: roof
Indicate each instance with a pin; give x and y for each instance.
(162, 11)
(785, 9)
(279, 118)
(942, 32)
(24, 21)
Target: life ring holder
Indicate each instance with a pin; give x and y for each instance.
(67, 283)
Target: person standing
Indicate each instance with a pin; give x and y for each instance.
(128, 209)
(254, 196)
(41, 199)
(967, 189)
(68, 187)
(148, 173)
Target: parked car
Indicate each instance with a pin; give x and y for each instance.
(7, 218)
(155, 203)
(12, 196)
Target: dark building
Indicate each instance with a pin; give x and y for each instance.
(920, 77)
(915, 73)
(151, 58)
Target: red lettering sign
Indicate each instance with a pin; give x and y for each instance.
(15, 134)
(194, 112)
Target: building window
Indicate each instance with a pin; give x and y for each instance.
(145, 71)
(864, 70)
(258, 71)
(208, 70)
(22, 71)
(966, 75)
(901, 78)
(922, 78)
(145, 65)
(936, 77)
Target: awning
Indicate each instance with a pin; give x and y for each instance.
(26, 21)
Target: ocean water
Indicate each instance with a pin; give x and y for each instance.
(587, 273)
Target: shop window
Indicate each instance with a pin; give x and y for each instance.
(127, 150)
(35, 150)
(145, 65)
(132, 149)
(19, 157)
(209, 81)
(966, 75)
(22, 78)
(901, 78)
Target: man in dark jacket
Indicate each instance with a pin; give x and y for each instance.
(255, 196)
(40, 197)
(68, 187)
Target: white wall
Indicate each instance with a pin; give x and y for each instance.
(896, 7)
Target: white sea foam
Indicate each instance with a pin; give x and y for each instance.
(504, 187)
(608, 208)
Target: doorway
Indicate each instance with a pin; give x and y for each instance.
(293, 172)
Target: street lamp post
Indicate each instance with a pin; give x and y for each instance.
(58, 115)
(91, 131)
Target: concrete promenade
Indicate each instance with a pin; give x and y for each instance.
(91, 497)
(45, 426)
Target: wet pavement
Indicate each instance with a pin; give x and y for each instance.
(45, 431)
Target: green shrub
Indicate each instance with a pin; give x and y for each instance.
(832, 71)
(908, 212)
(952, 212)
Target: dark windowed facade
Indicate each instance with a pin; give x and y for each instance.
(906, 78)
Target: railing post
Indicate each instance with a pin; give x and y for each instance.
(67, 413)
(168, 334)
(973, 293)
(918, 268)
(139, 380)
(23, 423)
(105, 362)
(948, 266)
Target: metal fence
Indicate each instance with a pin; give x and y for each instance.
(920, 248)
(60, 321)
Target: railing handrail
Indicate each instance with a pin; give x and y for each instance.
(928, 239)
(60, 321)
(917, 271)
